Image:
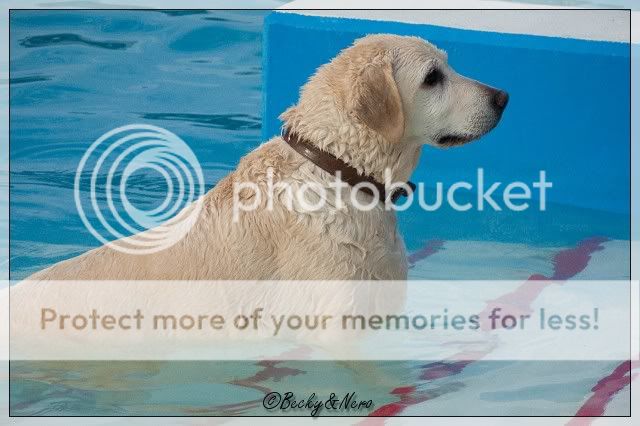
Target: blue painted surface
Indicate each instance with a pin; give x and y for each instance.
(569, 114)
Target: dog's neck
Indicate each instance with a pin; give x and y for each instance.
(346, 172)
(366, 151)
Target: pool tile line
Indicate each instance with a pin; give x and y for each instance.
(270, 371)
(603, 392)
(429, 249)
(566, 264)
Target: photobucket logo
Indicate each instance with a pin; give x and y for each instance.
(462, 196)
(113, 169)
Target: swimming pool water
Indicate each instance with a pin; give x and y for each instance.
(78, 74)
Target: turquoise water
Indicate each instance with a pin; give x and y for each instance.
(76, 75)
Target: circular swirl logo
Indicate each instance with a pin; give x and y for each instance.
(120, 201)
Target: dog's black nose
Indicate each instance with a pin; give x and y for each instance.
(500, 99)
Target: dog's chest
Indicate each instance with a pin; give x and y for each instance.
(371, 242)
(343, 240)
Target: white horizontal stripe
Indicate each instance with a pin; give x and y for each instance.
(604, 25)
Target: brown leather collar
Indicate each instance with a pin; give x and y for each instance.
(331, 164)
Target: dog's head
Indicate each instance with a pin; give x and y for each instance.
(441, 107)
(394, 90)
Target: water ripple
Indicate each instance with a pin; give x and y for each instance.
(215, 37)
(217, 121)
(218, 19)
(184, 12)
(29, 79)
(68, 38)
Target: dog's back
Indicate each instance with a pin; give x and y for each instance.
(269, 242)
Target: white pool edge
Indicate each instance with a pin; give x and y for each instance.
(596, 25)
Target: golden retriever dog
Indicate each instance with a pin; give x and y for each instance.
(373, 107)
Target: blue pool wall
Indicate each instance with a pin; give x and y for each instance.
(568, 114)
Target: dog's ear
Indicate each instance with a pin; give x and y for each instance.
(376, 101)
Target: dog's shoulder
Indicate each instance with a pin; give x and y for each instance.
(271, 158)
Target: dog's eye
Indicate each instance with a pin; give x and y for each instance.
(434, 77)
